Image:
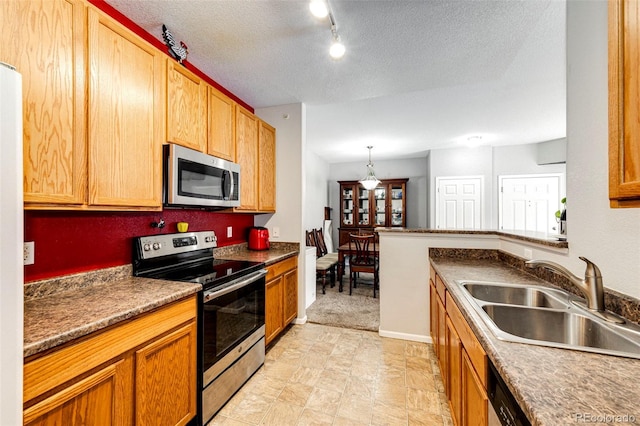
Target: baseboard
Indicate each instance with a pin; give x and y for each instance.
(405, 336)
(302, 320)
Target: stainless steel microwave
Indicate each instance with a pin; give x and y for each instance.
(195, 179)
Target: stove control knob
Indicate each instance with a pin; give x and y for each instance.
(156, 246)
(207, 239)
(146, 247)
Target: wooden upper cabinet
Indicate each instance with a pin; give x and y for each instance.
(624, 103)
(125, 116)
(220, 132)
(186, 107)
(44, 40)
(266, 167)
(247, 157)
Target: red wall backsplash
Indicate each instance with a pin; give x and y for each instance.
(68, 242)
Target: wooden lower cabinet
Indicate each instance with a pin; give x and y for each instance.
(274, 318)
(442, 342)
(454, 373)
(474, 395)
(462, 360)
(142, 372)
(99, 399)
(281, 296)
(167, 364)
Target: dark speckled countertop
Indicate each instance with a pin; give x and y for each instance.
(553, 386)
(62, 309)
(529, 236)
(277, 252)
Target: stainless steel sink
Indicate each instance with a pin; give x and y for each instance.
(561, 327)
(518, 295)
(548, 317)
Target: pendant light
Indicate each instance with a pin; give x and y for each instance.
(370, 181)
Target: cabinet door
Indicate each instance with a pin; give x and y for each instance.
(454, 375)
(273, 309)
(474, 396)
(247, 157)
(290, 296)
(380, 205)
(624, 98)
(166, 379)
(99, 399)
(221, 113)
(44, 40)
(396, 207)
(125, 116)
(347, 206)
(363, 206)
(267, 168)
(433, 316)
(186, 107)
(442, 341)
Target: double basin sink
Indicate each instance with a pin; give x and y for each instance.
(548, 317)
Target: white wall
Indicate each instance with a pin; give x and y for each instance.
(609, 237)
(490, 163)
(417, 188)
(522, 160)
(317, 192)
(290, 172)
(463, 162)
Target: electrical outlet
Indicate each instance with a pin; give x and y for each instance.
(276, 232)
(229, 232)
(29, 253)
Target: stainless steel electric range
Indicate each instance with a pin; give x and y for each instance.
(231, 343)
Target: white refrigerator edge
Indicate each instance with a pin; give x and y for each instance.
(11, 243)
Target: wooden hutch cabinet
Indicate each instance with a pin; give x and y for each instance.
(362, 210)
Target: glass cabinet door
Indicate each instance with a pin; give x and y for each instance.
(347, 206)
(380, 200)
(363, 207)
(396, 205)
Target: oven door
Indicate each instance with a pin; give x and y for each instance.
(193, 178)
(229, 316)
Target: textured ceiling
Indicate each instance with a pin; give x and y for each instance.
(417, 75)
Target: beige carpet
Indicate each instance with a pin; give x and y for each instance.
(359, 311)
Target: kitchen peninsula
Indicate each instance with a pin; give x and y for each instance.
(552, 386)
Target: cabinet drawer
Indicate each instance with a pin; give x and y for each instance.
(281, 267)
(469, 341)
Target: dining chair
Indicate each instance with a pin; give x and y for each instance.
(363, 257)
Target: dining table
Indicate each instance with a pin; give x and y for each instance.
(344, 251)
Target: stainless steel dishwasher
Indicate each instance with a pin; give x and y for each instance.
(503, 407)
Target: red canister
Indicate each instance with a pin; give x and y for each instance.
(258, 238)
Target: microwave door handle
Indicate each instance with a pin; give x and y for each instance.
(227, 185)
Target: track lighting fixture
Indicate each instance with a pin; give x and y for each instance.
(322, 9)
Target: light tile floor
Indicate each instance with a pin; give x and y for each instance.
(321, 375)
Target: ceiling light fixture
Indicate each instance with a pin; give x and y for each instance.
(322, 9)
(318, 8)
(370, 181)
(473, 141)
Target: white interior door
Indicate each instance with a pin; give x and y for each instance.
(459, 202)
(529, 203)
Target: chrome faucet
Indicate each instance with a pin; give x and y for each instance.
(590, 286)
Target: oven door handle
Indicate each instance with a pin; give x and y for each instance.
(234, 285)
